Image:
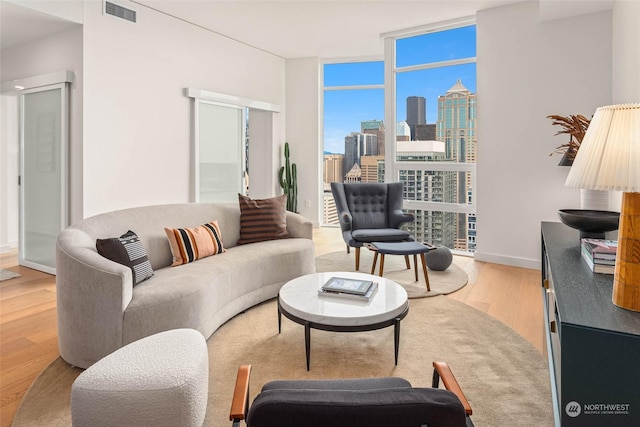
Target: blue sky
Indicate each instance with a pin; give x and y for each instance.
(344, 110)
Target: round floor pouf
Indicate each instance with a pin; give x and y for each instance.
(160, 380)
(439, 259)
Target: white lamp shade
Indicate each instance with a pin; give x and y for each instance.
(609, 155)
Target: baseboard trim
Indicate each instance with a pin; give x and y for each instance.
(8, 247)
(507, 260)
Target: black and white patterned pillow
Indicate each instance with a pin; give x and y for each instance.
(127, 250)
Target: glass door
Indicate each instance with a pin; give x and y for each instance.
(220, 152)
(43, 174)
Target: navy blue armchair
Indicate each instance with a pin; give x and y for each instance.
(370, 212)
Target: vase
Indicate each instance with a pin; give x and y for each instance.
(594, 200)
(567, 157)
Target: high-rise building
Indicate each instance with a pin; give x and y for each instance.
(435, 227)
(416, 113)
(333, 168)
(471, 232)
(330, 214)
(403, 131)
(456, 124)
(357, 145)
(354, 175)
(375, 127)
(456, 127)
(369, 168)
(426, 132)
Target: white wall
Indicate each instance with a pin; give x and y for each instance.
(9, 171)
(626, 62)
(137, 142)
(528, 69)
(626, 52)
(303, 135)
(57, 52)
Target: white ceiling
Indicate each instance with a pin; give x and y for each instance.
(292, 28)
(20, 25)
(295, 29)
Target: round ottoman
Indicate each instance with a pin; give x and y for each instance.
(160, 380)
(439, 259)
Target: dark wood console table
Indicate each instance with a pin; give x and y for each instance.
(593, 346)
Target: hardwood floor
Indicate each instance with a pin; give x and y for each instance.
(509, 294)
(28, 332)
(28, 329)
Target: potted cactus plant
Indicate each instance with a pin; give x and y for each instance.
(288, 178)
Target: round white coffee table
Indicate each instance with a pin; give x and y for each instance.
(299, 301)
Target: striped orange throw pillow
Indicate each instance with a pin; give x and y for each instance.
(191, 244)
(262, 219)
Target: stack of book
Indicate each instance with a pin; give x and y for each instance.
(600, 254)
(342, 287)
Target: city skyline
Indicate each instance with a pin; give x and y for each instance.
(344, 110)
(350, 122)
(340, 138)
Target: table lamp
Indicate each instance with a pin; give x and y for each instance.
(609, 159)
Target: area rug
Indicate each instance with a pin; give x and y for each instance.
(504, 377)
(6, 274)
(395, 268)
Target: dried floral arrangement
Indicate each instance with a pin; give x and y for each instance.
(576, 126)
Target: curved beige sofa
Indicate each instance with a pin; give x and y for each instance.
(99, 309)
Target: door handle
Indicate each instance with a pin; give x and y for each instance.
(552, 326)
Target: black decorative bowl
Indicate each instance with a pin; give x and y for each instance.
(592, 224)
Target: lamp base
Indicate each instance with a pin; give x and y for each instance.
(626, 281)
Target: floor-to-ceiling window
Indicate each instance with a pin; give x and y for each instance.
(354, 131)
(421, 122)
(431, 96)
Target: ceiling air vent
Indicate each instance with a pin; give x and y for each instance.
(119, 11)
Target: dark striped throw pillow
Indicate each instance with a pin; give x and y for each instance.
(262, 219)
(191, 244)
(127, 250)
